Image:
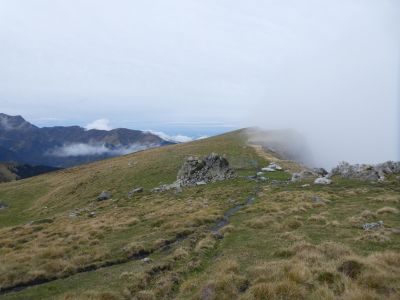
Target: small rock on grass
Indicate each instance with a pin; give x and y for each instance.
(103, 196)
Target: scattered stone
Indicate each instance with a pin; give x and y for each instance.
(275, 166)
(272, 167)
(147, 260)
(3, 206)
(260, 173)
(305, 185)
(167, 187)
(303, 175)
(322, 180)
(92, 214)
(366, 172)
(135, 191)
(369, 226)
(72, 215)
(262, 178)
(103, 196)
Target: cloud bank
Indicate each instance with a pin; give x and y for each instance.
(178, 138)
(100, 124)
(81, 149)
(329, 69)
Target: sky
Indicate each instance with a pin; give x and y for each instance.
(329, 69)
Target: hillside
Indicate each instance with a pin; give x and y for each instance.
(14, 171)
(235, 239)
(62, 146)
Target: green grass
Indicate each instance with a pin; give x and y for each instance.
(281, 244)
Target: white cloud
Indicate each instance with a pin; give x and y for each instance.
(81, 149)
(100, 124)
(179, 138)
(202, 137)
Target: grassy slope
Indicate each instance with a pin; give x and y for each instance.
(284, 246)
(5, 174)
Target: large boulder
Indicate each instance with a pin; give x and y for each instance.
(196, 172)
(211, 168)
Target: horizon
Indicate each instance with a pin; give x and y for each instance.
(330, 72)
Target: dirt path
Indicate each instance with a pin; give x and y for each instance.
(287, 165)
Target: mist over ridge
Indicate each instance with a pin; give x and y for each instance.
(189, 69)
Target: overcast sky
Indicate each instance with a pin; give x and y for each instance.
(330, 69)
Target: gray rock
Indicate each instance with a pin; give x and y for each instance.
(322, 180)
(369, 226)
(3, 206)
(303, 175)
(211, 168)
(135, 191)
(272, 167)
(197, 171)
(103, 196)
(366, 172)
(260, 173)
(320, 171)
(147, 260)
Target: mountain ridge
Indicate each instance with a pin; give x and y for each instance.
(66, 146)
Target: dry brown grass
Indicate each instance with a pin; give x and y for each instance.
(331, 270)
(318, 219)
(387, 210)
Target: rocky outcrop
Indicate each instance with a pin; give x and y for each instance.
(365, 171)
(196, 171)
(211, 168)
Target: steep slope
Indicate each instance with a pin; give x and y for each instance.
(237, 239)
(67, 146)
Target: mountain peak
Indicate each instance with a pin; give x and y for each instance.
(8, 122)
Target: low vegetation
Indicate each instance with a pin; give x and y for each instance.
(292, 242)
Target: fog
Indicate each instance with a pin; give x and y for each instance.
(81, 149)
(328, 69)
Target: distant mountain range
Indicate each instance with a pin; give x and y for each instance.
(25, 143)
